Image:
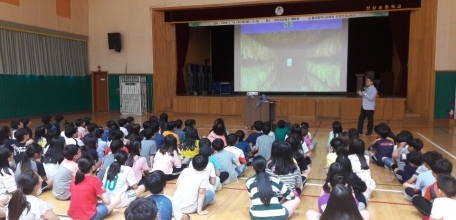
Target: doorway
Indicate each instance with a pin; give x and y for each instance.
(100, 91)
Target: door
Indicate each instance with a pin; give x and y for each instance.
(100, 91)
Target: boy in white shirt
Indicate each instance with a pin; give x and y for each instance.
(232, 141)
(71, 135)
(191, 192)
(443, 207)
(271, 133)
(122, 124)
(214, 180)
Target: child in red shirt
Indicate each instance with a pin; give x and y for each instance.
(86, 189)
(117, 135)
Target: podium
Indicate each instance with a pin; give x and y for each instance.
(257, 110)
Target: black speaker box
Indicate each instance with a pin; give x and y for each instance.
(114, 41)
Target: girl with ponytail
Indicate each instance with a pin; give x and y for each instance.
(336, 131)
(119, 180)
(337, 149)
(263, 188)
(339, 206)
(334, 178)
(40, 136)
(24, 204)
(29, 162)
(53, 155)
(360, 163)
(85, 190)
(362, 193)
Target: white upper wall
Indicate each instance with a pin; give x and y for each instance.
(42, 13)
(445, 53)
(133, 20)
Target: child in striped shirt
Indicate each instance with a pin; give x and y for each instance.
(263, 190)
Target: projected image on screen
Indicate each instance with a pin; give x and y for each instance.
(304, 56)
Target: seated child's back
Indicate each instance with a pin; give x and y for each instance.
(281, 131)
(443, 207)
(190, 181)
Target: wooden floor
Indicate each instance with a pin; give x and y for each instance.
(233, 203)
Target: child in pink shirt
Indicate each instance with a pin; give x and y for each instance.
(136, 162)
(167, 159)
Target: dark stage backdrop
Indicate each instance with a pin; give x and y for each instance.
(370, 48)
(222, 53)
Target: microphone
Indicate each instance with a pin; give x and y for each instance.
(258, 104)
(364, 88)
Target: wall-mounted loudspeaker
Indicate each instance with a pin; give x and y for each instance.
(114, 41)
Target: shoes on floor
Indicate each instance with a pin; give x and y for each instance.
(407, 197)
(368, 134)
(304, 180)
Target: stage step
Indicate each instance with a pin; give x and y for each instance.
(411, 115)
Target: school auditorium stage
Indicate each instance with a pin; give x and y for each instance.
(311, 107)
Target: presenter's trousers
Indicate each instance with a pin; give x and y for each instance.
(369, 114)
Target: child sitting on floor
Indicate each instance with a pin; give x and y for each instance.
(119, 181)
(86, 189)
(67, 170)
(382, 150)
(141, 209)
(191, 145)
(281, 131)
(167, 207)
(24, 203)
(232, 141)
(443, 206)
(413, 161)
(191, 188)
(228, 161)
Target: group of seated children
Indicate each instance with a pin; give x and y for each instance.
(349, 183)
(276, 187)
(83, 162)
(86, 164)
(418, 171)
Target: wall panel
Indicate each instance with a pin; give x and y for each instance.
(328, 108)
(421, 74)
(70, 16)
(445, 84)
(27, 96)
(165, 66)
(309, 107)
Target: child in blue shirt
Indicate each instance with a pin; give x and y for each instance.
(413, 161)
(158, 138)
(167, 207)
(382, 149)
(243, 145)
(179, 131)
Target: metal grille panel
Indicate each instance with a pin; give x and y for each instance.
(133, 95)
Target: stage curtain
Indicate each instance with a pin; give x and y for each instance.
(182, 38)
(23, 53)
(400, 27)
